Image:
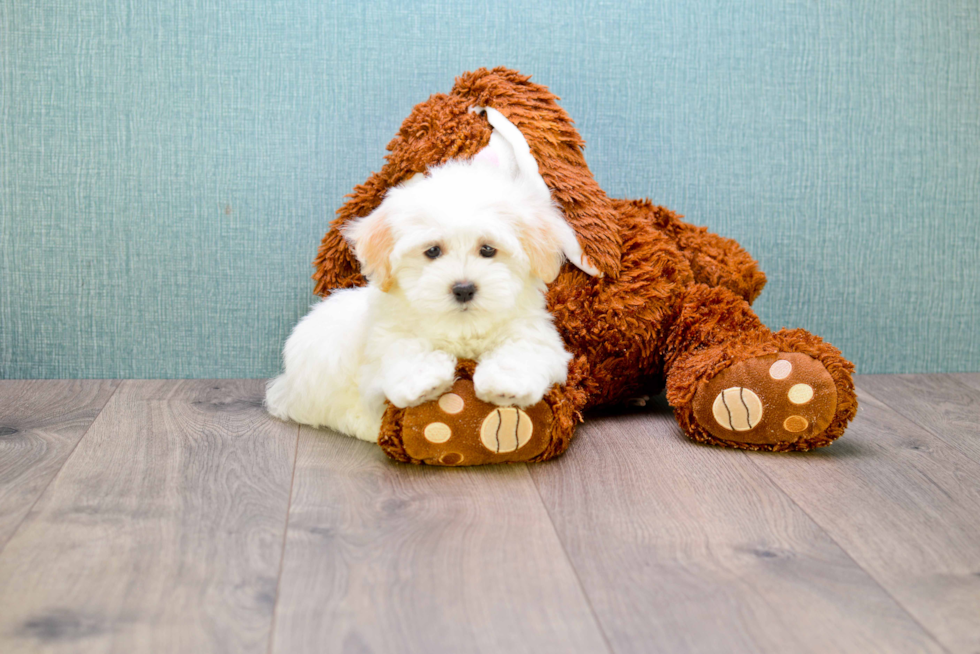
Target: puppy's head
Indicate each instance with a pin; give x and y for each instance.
(469, 238)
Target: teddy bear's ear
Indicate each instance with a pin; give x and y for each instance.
(556, 147)
(372, 241)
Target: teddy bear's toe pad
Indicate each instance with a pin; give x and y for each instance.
(777, 398)
(459, 429)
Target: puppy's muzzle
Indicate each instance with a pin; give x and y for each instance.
(464, 291)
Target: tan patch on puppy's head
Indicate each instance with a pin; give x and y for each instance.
(372, 241)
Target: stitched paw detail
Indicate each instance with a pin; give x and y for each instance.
(459, 429)
(777, 398)
(505, 430)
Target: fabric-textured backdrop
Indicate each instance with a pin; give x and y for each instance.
(167, 169)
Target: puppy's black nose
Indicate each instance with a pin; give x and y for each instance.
(464, 291)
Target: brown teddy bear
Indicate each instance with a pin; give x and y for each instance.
(669, 307)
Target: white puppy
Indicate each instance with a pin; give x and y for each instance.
(457, 264)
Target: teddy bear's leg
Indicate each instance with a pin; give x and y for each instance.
(733, 382)
(459, 429)
(715, 260)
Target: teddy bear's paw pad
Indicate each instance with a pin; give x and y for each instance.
(777, 398)
(459, 429)
(505, 430)
(737, 409)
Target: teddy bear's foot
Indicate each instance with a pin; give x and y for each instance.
(777, 401)
(458, 429)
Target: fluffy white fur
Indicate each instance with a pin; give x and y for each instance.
(400, 336)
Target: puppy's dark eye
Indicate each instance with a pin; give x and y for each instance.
(434, 252)
(488, 251)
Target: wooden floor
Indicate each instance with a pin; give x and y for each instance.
(175, 516)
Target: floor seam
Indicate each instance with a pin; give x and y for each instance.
(578, 579)
(285, 534)
(927, 428)
(74, 447)
(843, 549)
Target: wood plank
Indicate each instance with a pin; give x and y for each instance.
(945, 405)
(971, 379)
(689, 548)
(905, 505)
(41, 421)
(163, 532)
(386, 557)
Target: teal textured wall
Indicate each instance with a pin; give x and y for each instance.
(167, 169)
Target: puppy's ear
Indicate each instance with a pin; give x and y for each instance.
(371, 239)
(542, 237)
(508, 149)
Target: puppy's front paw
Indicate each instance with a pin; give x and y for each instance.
(414, 382)
(508, 385)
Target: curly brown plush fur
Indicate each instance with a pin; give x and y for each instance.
(671, 308)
